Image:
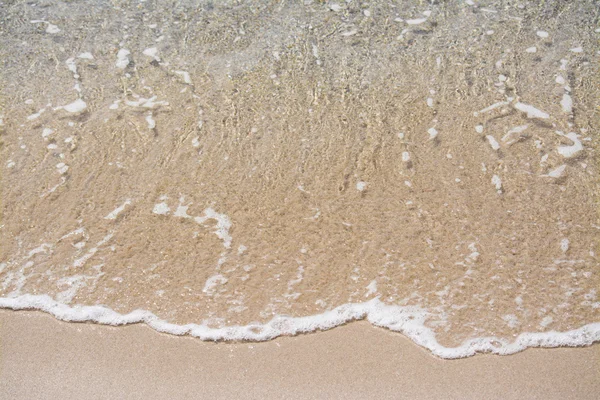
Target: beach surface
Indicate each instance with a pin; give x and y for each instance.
(42, 358)
(241, 172)
(253, 171)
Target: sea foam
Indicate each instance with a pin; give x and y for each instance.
(408, 320)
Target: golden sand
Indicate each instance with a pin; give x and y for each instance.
(247, 161)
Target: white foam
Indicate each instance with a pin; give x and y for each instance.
(574, 149)
(161, 209)
(415, 21)
(150, 103)
(492, 107)
(563, 64)
(185, 75)
(50, 28)
(80, 262)
(510, 138)
(223, 222)
(71, 65)
(556, 172)
(75, 107)
(62, 168)
(479, 128)
(567, 103)
(405, 156)
(47, 132)
(531, 111)
(114, 213)
(350, 33)
(542, 34)
(123, 58)
(36, 115)
(532, 49)
(361, 186)
(432, 133)
(371, 288)
(223, 225)
(497, 182)
(564, 245)
(213, 282)
(76, 282)
(151, 122)
(493, 142)
(547, 320)
(335, 7)
(407, 320)
(152, 52)
(511, 320)
(63, 180)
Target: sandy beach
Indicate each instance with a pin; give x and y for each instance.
(42, 358)
(263, 171)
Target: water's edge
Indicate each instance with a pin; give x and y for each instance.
(407, 320)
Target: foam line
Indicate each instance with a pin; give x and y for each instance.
(409, 321)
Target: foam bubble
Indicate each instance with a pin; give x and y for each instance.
(531, 111)
(574, 149)
(122, 58)
(114, 213)
(493, 143)
(416, 21)
(557, 172)
(161, 209)
(152, 52)
(497, 182)
(432, 133)
(76, 106)
(567, 103)
(407, 320)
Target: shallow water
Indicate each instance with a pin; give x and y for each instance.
(430, 167)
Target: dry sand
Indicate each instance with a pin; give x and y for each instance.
(42, 358)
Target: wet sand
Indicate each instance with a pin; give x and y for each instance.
(43, 358)
(223, 165)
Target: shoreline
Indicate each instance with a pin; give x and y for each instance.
(408, 321)
(352, 361)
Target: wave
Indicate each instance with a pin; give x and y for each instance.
(408, 320)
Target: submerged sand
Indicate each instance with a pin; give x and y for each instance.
(223, 164)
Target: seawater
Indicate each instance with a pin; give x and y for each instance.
(245, 171)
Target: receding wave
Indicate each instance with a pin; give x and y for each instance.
(245, 171)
